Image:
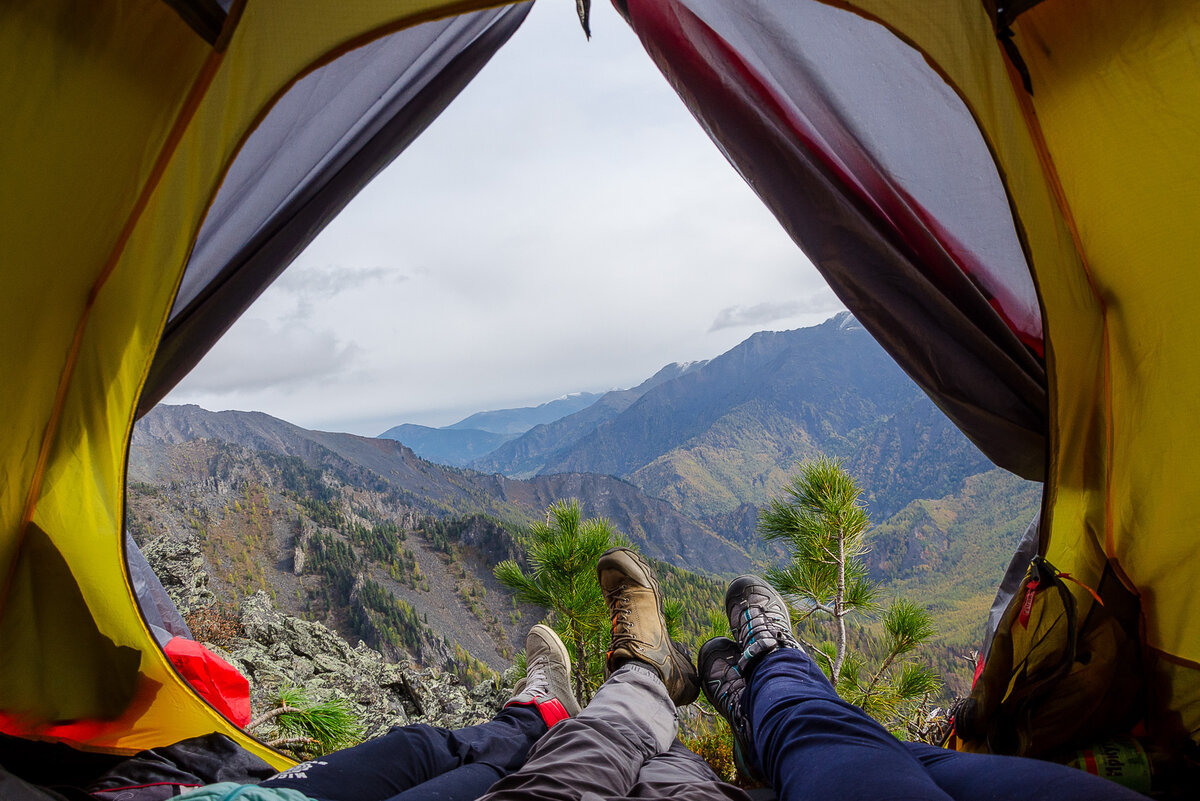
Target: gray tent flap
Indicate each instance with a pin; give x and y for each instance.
(326, 138)
(908, 222)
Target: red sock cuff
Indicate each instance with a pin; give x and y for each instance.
(551, 710)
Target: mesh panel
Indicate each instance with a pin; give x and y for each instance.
(897, 131)
(315, 128)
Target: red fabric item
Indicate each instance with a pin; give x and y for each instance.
(215, 679)
(1027, 607)
(85, 732)
(551, 710)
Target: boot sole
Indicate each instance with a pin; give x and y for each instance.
(560, 652)
(718, 644)
(632, 558)
(691, 690)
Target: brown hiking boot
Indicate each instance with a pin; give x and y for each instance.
(639, 628)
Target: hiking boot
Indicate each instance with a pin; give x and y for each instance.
(723, 686)
(639, 629)
(547, 682)
(759, 618)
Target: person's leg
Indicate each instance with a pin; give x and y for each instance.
(680, 773)
(812, 744)
(639, 627)
(461, 784)
(791, 727)
(424, 762)
(598, 753)
(981, 777)
(407, 756)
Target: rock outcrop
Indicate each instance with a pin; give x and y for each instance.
(180, 568)
(280, 650)
(274, 650)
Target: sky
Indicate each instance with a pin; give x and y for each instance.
(564, 226)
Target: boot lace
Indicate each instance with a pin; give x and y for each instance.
(763, 629)
(621, 606)
(537, 679)
(729, 698)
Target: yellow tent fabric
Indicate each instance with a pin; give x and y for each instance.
(1102, 165)
(1116, 91)
(119, 123)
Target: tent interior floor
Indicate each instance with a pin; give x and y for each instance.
(40, 766)
(40, 771)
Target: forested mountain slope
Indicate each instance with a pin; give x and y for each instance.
(385, 465)
(719, 439)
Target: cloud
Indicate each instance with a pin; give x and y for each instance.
(256, 354)
(331, 280)
(312, 288)
(764, 313)
(589, 243)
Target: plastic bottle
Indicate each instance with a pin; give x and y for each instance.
(1120, 759)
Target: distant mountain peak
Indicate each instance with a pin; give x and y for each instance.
(713, 436)
(672, 370)
(845, 321)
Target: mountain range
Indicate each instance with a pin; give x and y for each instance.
(680, 464)
(717, 438)
(162, 440)
(481, 433)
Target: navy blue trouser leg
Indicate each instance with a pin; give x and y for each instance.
(986, 776)
(421, 763)
(813, 745)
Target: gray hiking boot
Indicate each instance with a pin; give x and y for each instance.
(639, 629)
(759, 618)
(723, 686)
(547, 682)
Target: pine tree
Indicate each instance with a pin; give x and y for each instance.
(820, 520)
(305, 726)
(561, 554)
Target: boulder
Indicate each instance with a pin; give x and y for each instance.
(180, 568)
(280, 650)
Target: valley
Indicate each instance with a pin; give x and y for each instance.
(388, 547)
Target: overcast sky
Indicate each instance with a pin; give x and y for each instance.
(564, 226)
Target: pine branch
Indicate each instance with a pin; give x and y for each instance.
(887, 663)
(812, 649)
(291, 742)
(271, 714)
(816, 607)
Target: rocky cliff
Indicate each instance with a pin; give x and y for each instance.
(275, 650)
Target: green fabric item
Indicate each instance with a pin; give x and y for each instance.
(231, 791)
